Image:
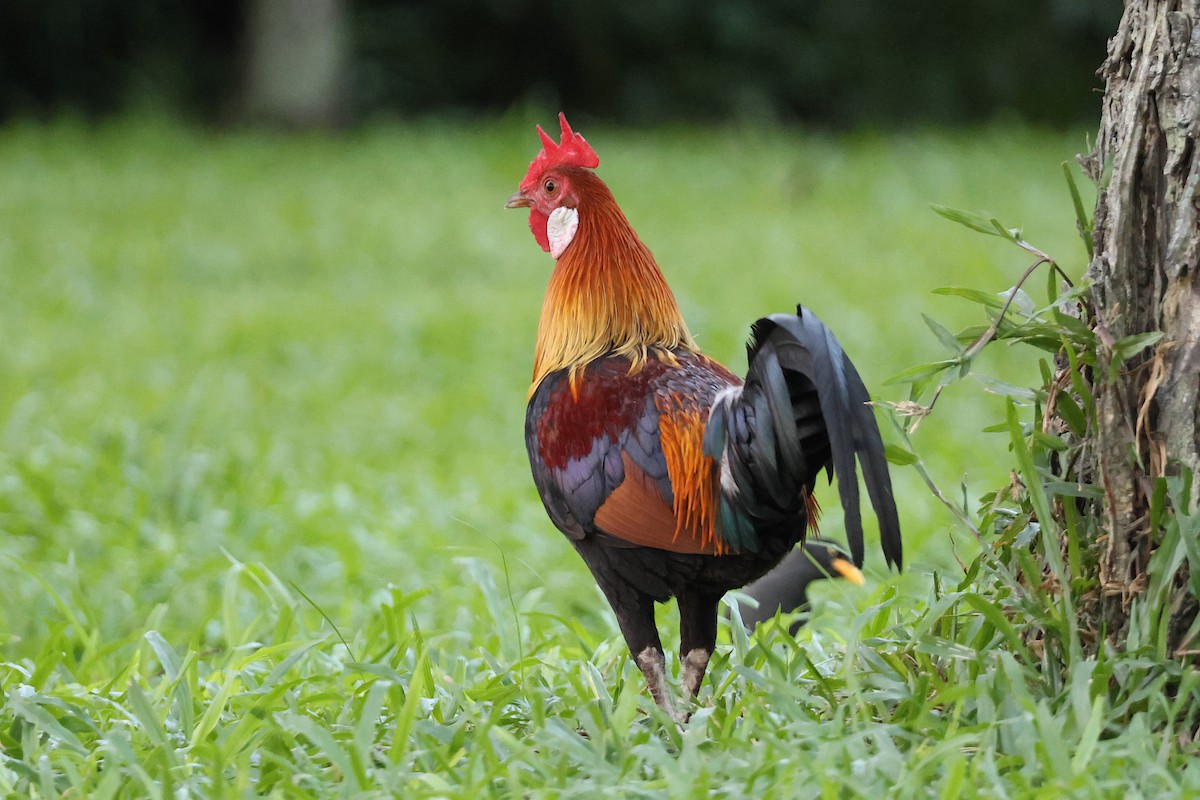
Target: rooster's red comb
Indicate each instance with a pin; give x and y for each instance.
(571, 151)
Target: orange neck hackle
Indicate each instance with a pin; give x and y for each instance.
(606, 295)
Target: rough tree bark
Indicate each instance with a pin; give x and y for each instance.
(1144, 270)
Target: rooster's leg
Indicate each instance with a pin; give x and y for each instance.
(653, 664)
(636, 618)
(697, 638)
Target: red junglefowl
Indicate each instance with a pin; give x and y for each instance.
(669, 475)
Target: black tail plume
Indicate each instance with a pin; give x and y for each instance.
(803, 408)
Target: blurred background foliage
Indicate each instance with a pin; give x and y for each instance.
(836, 63)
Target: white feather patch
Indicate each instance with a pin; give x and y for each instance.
(560, 229)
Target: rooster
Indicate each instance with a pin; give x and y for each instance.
(669, 475)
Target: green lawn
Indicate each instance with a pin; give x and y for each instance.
(266, 524)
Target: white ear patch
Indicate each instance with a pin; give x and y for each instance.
(560, 229)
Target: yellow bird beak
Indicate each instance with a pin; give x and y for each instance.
(518, 200)
(849, 571)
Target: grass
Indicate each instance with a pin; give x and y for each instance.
(267, 526)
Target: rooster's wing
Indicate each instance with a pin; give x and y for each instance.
(620, 455)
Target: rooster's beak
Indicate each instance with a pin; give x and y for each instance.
(518, 200)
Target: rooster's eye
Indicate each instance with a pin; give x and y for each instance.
(550, 187)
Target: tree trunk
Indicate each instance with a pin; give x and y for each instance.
(1144, 268)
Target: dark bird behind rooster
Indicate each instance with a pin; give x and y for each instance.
(785, 588)
(671, 476)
